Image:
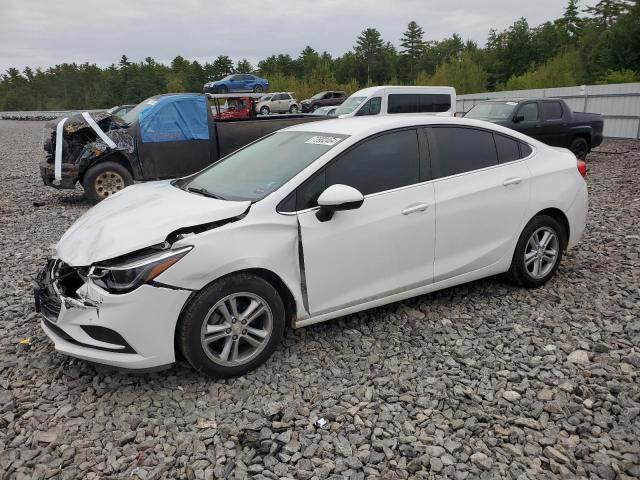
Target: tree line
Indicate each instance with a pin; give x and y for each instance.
(596, 44)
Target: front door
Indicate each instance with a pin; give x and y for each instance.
(384, 247)
(530, 125)
(480, 203)
(173, 138)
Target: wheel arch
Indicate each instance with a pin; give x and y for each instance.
(267, 275)
(115, 156)
(585, 135)
(560, 217)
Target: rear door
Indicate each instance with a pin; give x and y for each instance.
(554, 129)
(173, 137)
(383, 247)
(480, 201)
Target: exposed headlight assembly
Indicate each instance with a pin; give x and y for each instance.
(130, 274)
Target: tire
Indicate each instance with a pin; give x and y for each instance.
(523, 272)
(223, 89)
(258, 89)
(104, 179)
(264, 110)
(204, 314)
(293, 109)
(314, 107)
(580, 147)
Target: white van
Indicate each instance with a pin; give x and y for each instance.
(388, 100)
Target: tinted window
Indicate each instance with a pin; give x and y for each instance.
(276, 97)
(525, 150)
(372, 107)
(418, 103)
(285, 96)
(552, 110)
(235, 77)
(508, 149)
(463, 150)
(529, 111)
(307, 194)
(382, 163)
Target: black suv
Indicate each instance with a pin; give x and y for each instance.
(323, 99)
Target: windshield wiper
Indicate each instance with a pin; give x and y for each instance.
(205, 192)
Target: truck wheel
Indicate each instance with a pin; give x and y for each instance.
(264, 110)
(104, 179)
(293, 109)
(579, 147)
(258, 89)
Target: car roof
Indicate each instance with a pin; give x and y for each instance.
(370, 125)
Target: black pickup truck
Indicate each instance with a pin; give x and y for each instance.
(549, 120)
(165, 136)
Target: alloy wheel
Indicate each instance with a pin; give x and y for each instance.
(541, 252)
(108, 183)
(236, 329)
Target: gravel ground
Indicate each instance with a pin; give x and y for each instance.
(480, 381)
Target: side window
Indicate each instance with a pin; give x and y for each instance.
(372, 107)
(418, 103)
(462, 150)
(385, 162)
(525, 150)
(285, 96)
(529, 111)
(307, 194)
(551, 110)
(276, 97)
(508, 149)
(235, 78)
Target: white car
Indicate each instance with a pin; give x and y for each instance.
(279, 102)
(310, 223)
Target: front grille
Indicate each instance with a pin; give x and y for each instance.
(50, 302)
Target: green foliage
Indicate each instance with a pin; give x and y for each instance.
(562, 70)
(603, 47)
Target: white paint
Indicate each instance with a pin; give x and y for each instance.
(339, 195)
(96, 128)
(57, 161)
(397, 244)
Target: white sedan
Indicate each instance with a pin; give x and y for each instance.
(310, 223)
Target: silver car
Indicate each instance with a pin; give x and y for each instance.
(278, 102)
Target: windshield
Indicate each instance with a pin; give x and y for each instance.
(265, 99)
(112, 109)
(132, 115)
(319, 96)
(491, 111)
(264, 166)
(349, 105)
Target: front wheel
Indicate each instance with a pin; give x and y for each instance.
(105, 179)
(223, 89)
(232, 326)
(264, 111)
(538, 252)
(315, 107)
(580, 147)
(258, 89)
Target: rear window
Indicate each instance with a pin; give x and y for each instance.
(525, 150)
(418, 103)
(463, 150)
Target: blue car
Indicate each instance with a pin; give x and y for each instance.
(237, 82)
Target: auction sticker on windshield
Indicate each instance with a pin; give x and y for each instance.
(321, 140)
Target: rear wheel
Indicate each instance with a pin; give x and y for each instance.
(105, 179)
(293, 109)
(264, 110)
(538, 252)
(232, 326)
(258, 88)
(580, 147)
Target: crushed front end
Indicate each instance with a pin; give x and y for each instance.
(132, 330)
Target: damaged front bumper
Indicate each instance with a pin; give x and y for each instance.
(70, 172)
(134, 330)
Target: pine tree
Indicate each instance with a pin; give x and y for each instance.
(412, 44)
(368, 47)
(244, 66)
(571, 19)
(606, 12)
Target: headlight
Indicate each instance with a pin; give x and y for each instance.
(127, 276)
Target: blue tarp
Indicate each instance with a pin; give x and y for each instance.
(175, 118)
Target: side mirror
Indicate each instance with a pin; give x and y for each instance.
(518, 118)
(338, 197)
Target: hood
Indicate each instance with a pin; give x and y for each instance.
(138, 217)
(76, 121)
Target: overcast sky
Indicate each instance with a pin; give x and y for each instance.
(44, 32)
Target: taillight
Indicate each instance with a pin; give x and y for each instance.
(582, 168)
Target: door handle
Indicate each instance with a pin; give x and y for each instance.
(511, 181)
(418, 207)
